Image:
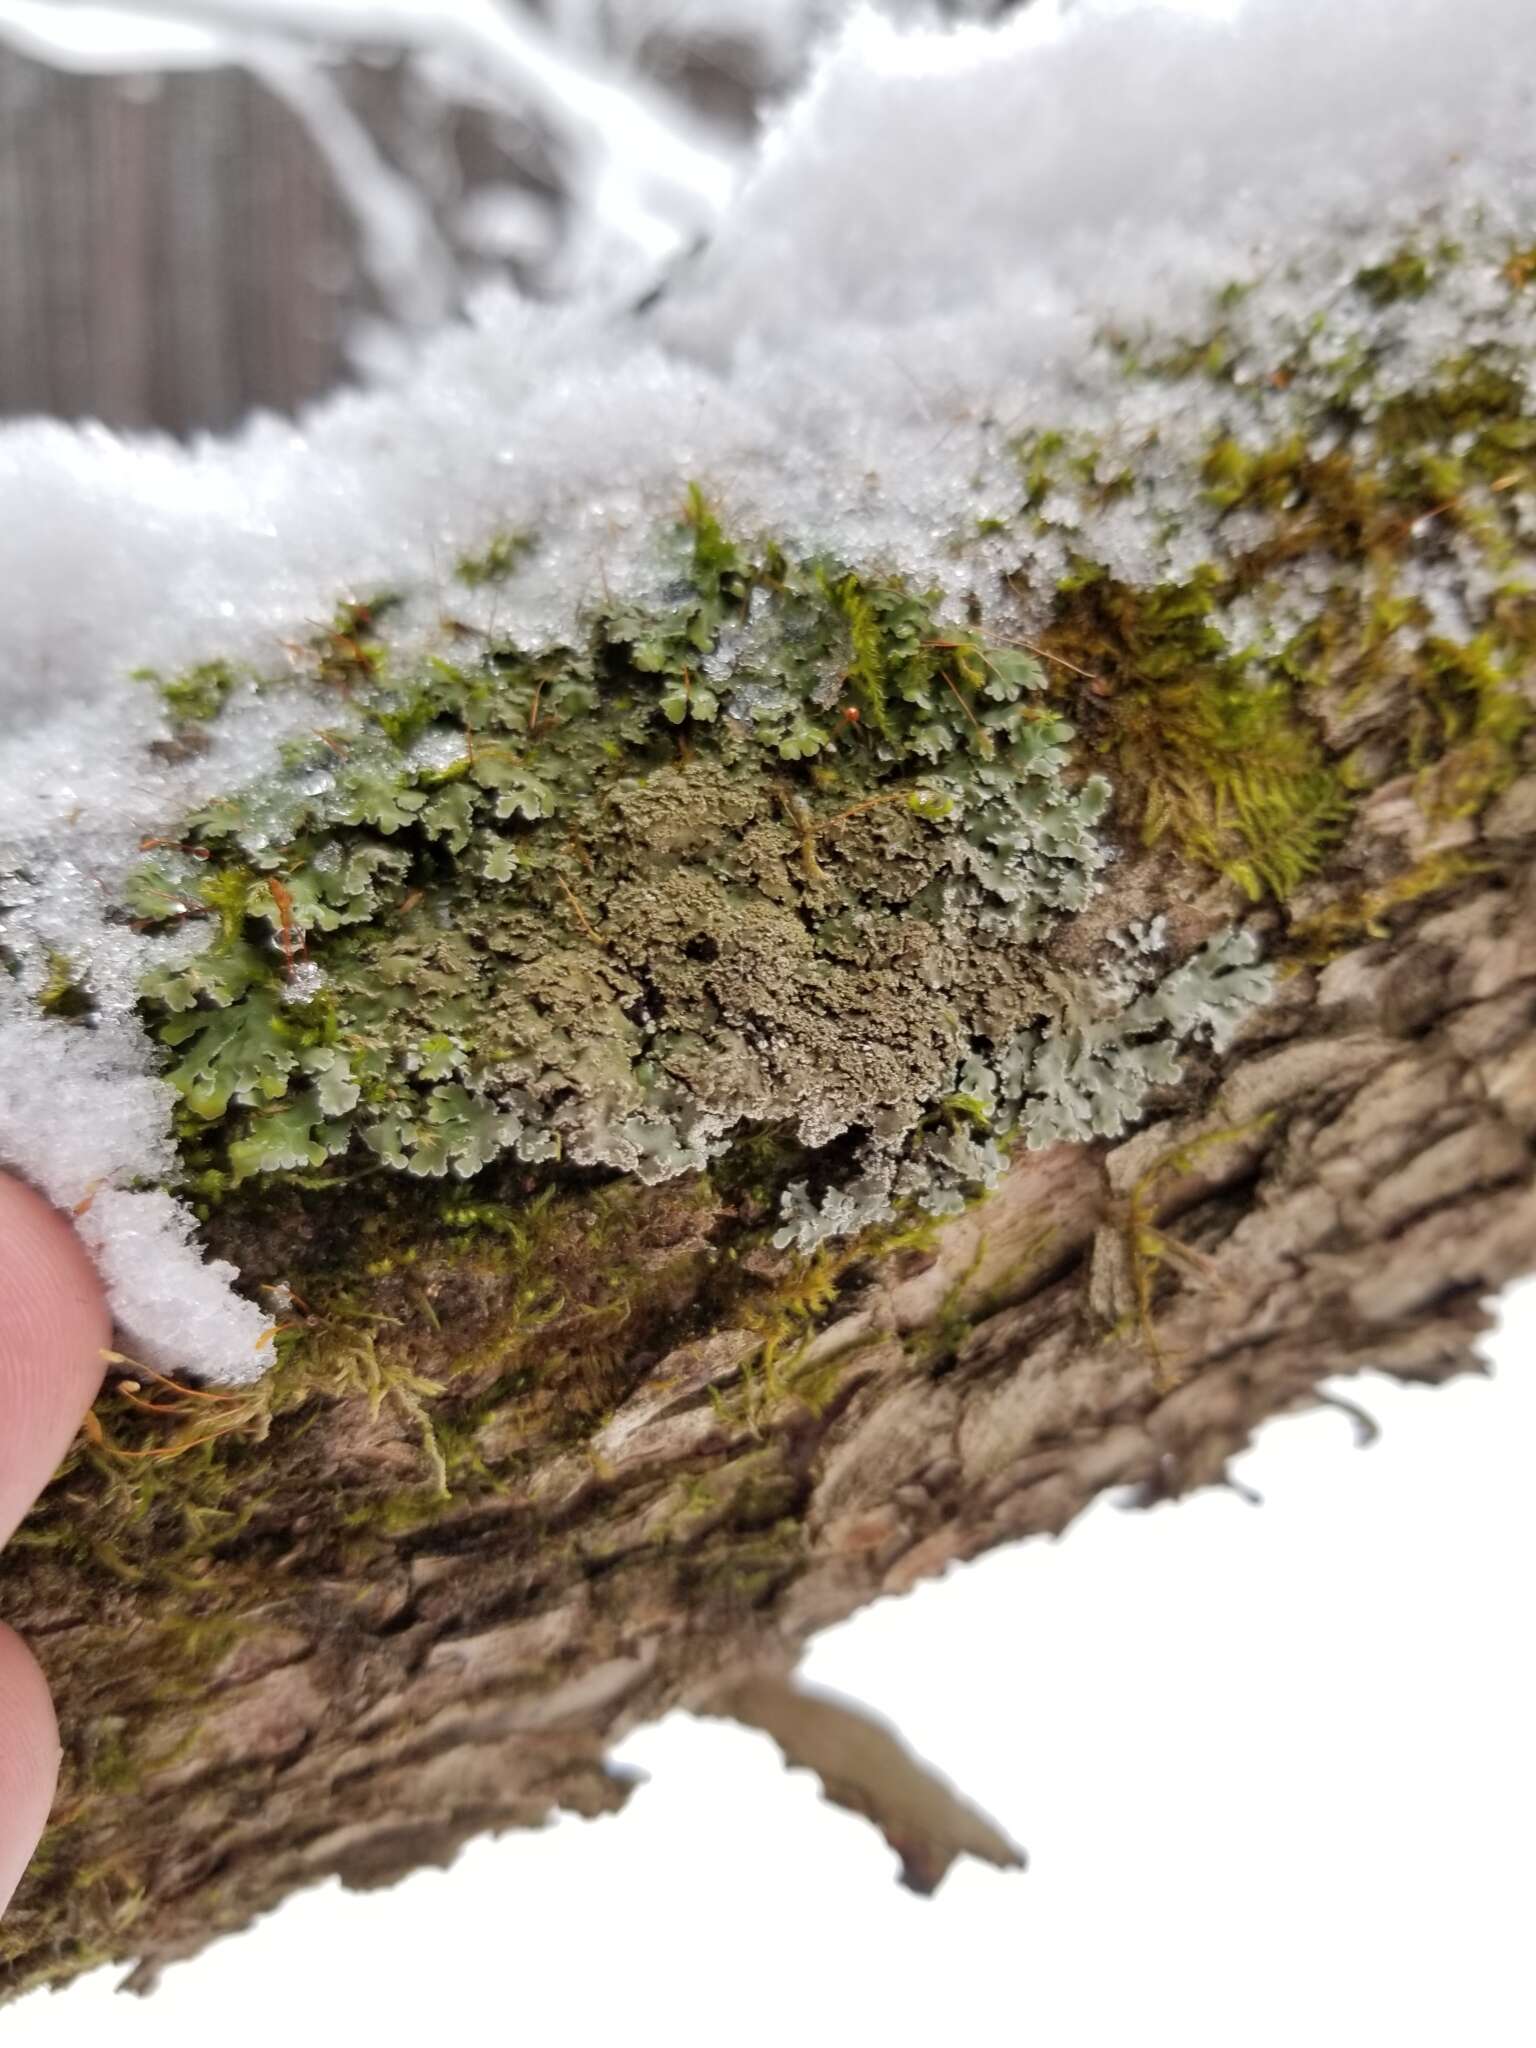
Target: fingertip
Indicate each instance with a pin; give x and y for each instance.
(54, 1327)
(29, 1759)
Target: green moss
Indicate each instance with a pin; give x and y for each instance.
(64, 993)
(112, 1768)
(1222, 750)
(432, 1354)
(1449, 444)
(936, 1345)
(1154, 1257)
(1218, 751)
(1469, 717)
(1406, 274)
(196, 694)
(1360, 916)
(1045, 457)
(500, 559)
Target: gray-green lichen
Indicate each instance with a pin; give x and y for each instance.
(772, 851)
(786, 854)
(1083, 1072)
(786, 846)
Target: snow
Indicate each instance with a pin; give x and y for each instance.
(915, 267)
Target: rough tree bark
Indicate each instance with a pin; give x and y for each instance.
(1341, 1192)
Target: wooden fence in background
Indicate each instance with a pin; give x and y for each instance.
(172, 253)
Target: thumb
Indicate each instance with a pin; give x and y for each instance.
(54, 1327)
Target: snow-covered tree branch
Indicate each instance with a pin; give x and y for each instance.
(713, 947)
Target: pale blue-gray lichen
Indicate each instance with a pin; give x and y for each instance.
(1084, 1072)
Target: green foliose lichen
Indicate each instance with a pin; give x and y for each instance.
(767, 849)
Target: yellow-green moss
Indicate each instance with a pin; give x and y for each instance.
(1410, 272)
(1362, 915)
(1219, 754)
(1225, 751)
(64, 993)
(498, 560)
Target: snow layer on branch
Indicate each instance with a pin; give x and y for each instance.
(915, 271)
(1120, 168)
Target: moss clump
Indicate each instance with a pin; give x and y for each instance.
(497, 561)
(196, 694)
(441, 1356)
(1408, 273)
(432, 1353)
(1245, 705)
(1449, 444)
(1220, 749)
(1362, 915)
(64, 993)
(1468, 718)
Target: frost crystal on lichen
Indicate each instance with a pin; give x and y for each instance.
(776, 848)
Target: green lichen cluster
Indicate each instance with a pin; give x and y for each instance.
(765, 849)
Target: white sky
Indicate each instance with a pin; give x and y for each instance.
(1273, 1768)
